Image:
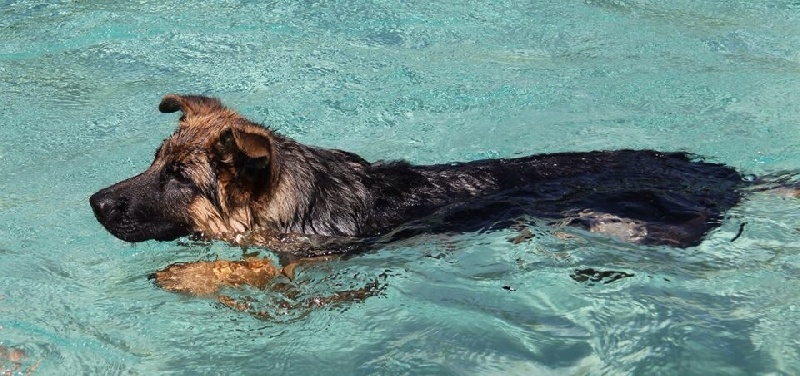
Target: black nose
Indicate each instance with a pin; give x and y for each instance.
(107, 207)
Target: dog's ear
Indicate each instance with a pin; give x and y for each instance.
(254, 144)
(249, 153)
(189, 104)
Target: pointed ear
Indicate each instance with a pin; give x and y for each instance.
(189, 104)
(249, 152)
(254, 144)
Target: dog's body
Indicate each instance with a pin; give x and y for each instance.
(221, 175)
(224, 177)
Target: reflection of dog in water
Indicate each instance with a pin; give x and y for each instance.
(221, 176)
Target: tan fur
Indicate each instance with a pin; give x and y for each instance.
(208, 277)
(198, 136)
(280, 205)
(215, 225)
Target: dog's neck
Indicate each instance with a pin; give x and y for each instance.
(316, 191)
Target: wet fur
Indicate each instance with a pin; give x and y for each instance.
(221, 175)
(224, 177)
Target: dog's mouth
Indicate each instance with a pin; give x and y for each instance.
(135, 232)
(161, 231)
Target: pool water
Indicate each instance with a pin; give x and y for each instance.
(429, 82)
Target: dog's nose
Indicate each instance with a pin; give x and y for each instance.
(106, 207)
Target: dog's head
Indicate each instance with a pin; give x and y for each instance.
(203, 178)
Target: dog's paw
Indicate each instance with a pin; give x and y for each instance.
(208, 277)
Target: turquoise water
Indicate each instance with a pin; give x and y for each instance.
(427, 82)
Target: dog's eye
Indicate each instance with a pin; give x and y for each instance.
(177, 173)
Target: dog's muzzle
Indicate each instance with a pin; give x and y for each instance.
(130, 221)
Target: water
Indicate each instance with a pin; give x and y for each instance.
(427, 82)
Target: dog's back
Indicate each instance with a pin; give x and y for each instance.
(670, 197)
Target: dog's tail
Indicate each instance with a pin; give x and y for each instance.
(784, 183)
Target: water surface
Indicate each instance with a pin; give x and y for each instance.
(430, 83)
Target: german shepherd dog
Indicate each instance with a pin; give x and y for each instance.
(221, 176)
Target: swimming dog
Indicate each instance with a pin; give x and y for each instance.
(222, 176)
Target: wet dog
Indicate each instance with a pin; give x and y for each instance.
(221, 176)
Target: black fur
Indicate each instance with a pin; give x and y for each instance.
(143, 208)
(677, 199)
